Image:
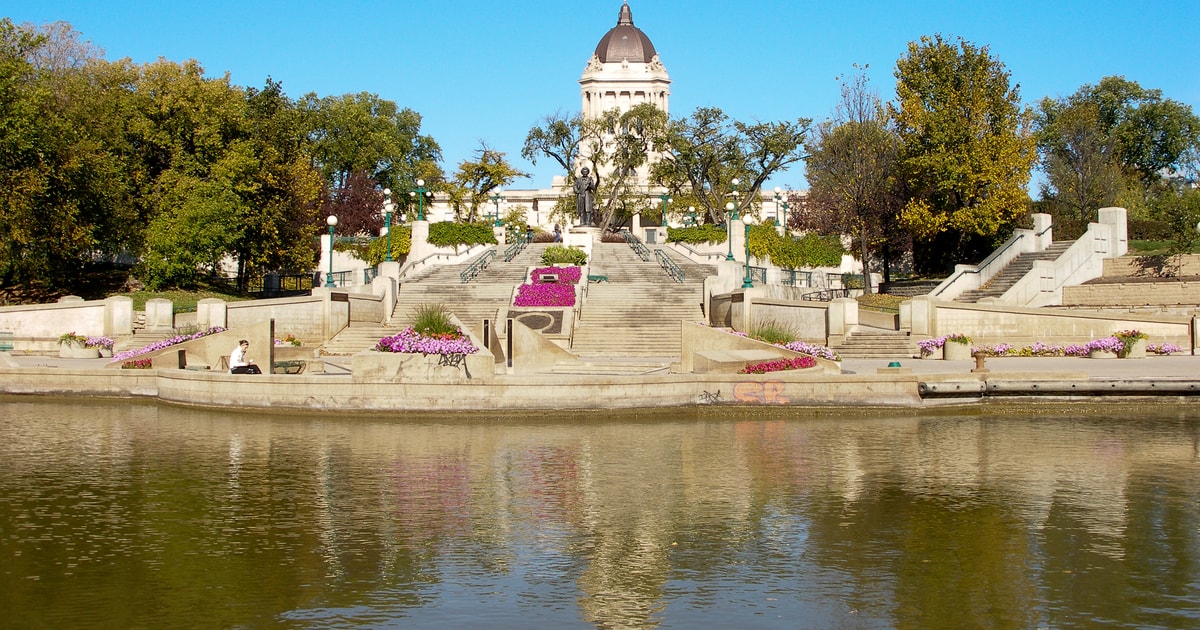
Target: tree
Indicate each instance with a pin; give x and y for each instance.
(1109, 138)
(967, 150)
(621, 144)
(477, 178)
(853, 172)
(703, 153)
(557, 138)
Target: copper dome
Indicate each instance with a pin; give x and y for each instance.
(625, 42)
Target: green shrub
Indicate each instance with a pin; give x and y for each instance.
(788, 252)
(773, 332)
(695, 235)
(557, 254)
(433, 319)
(450, 234)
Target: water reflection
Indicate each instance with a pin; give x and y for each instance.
(120, 514)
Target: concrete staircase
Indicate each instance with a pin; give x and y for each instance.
(637, 313)
(876, 343)
(1011, 274)
(356, 338)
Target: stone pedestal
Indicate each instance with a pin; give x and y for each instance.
(1135, 351)
(956, 351)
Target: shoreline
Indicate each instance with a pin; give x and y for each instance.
(862, 383)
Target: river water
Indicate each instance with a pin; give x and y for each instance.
(122, 515)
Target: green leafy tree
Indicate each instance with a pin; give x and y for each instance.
(476, 179)
(853, 174)
(705, 152)
(1083, 171)
(967, 150)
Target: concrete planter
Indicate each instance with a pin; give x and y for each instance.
(1137, 351)
(105, 353)
(955, 351)
(1101, 354)
(935, 354)
(77, 351)
(399, 367)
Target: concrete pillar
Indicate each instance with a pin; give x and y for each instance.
(1117, 220)
(419, 247)
(1043, 231)
(922, 315)
(212, 312)
(70, 299)
(842, 316)
(118, 315)
(160, 315)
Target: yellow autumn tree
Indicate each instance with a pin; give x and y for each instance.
(968, 149)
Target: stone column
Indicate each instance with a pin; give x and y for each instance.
(118, 315)
(1116, 220)
(160, 316)
(212, 312)
(1043, 231)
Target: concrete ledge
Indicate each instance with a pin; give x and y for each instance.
(729, 361)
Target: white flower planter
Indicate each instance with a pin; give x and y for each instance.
(1101, 354)
(1137, 351)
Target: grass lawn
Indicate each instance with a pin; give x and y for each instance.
(1155, 248)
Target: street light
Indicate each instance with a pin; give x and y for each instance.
(666, 199)
(778, 197)
(692, 215)
(747, 282)
(388, 209)
(735, 183)
(420, 195)
(331, 220)
(730, 208)
(496, 199)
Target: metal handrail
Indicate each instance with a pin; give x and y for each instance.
(788, 277)
(638, 248)
(519, 243)
(474, 268)
(369, 274)
(758, 274)
(409, 266)
(986, 261)
(669, 265)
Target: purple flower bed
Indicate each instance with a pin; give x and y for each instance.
(1163, 348)
(566, 275)
(98, 342)
(800, 346)
(166, 343)
(410, 341)
(545, 295)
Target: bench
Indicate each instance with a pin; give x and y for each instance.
(288, 367)
(6, 341)
(597, 278)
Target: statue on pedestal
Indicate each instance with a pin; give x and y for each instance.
(585, 198)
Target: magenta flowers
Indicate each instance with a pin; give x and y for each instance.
(409, 340)
(166, 343)
(545, 295)
(566, 275)
(778, 365)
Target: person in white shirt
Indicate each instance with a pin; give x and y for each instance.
(238, 363)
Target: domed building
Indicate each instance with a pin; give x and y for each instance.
(624, 71)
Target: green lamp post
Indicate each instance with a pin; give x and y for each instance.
(496, 199)
(735, 183)
(388, 209)
(420, 194)
(666, 199)
(692, 216)
(729, 210)
(331, 221)
(778, 200)
(747, 282)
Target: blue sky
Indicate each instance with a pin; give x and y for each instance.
(490, 70)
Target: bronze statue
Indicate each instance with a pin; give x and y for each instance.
(585, 198)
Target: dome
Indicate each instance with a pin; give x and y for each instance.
(625, 42)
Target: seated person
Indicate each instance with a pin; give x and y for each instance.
(238, 363)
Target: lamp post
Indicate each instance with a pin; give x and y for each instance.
(666, 199)
(331, 221)
(692, 215)
(496, 199)
(747, 282)
(735, 183)
(388, 209)
(778, 197)
(729, 210)
(420, 193)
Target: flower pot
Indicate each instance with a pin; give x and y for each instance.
(77, 351)
(956, 351)
(1101, 354)
(934, 354)
(105, 353)
(1135, 351)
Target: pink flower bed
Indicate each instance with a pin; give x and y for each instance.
(409, 340)
(778, 365)
(566, 275)
(545, 295)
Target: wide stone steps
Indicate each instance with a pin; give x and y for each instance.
(1011, 274)
(471, 302)
(356, 338)
(876, 345)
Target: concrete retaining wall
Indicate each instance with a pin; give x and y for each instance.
(36, 327)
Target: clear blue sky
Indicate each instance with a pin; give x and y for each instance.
(490, 70)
